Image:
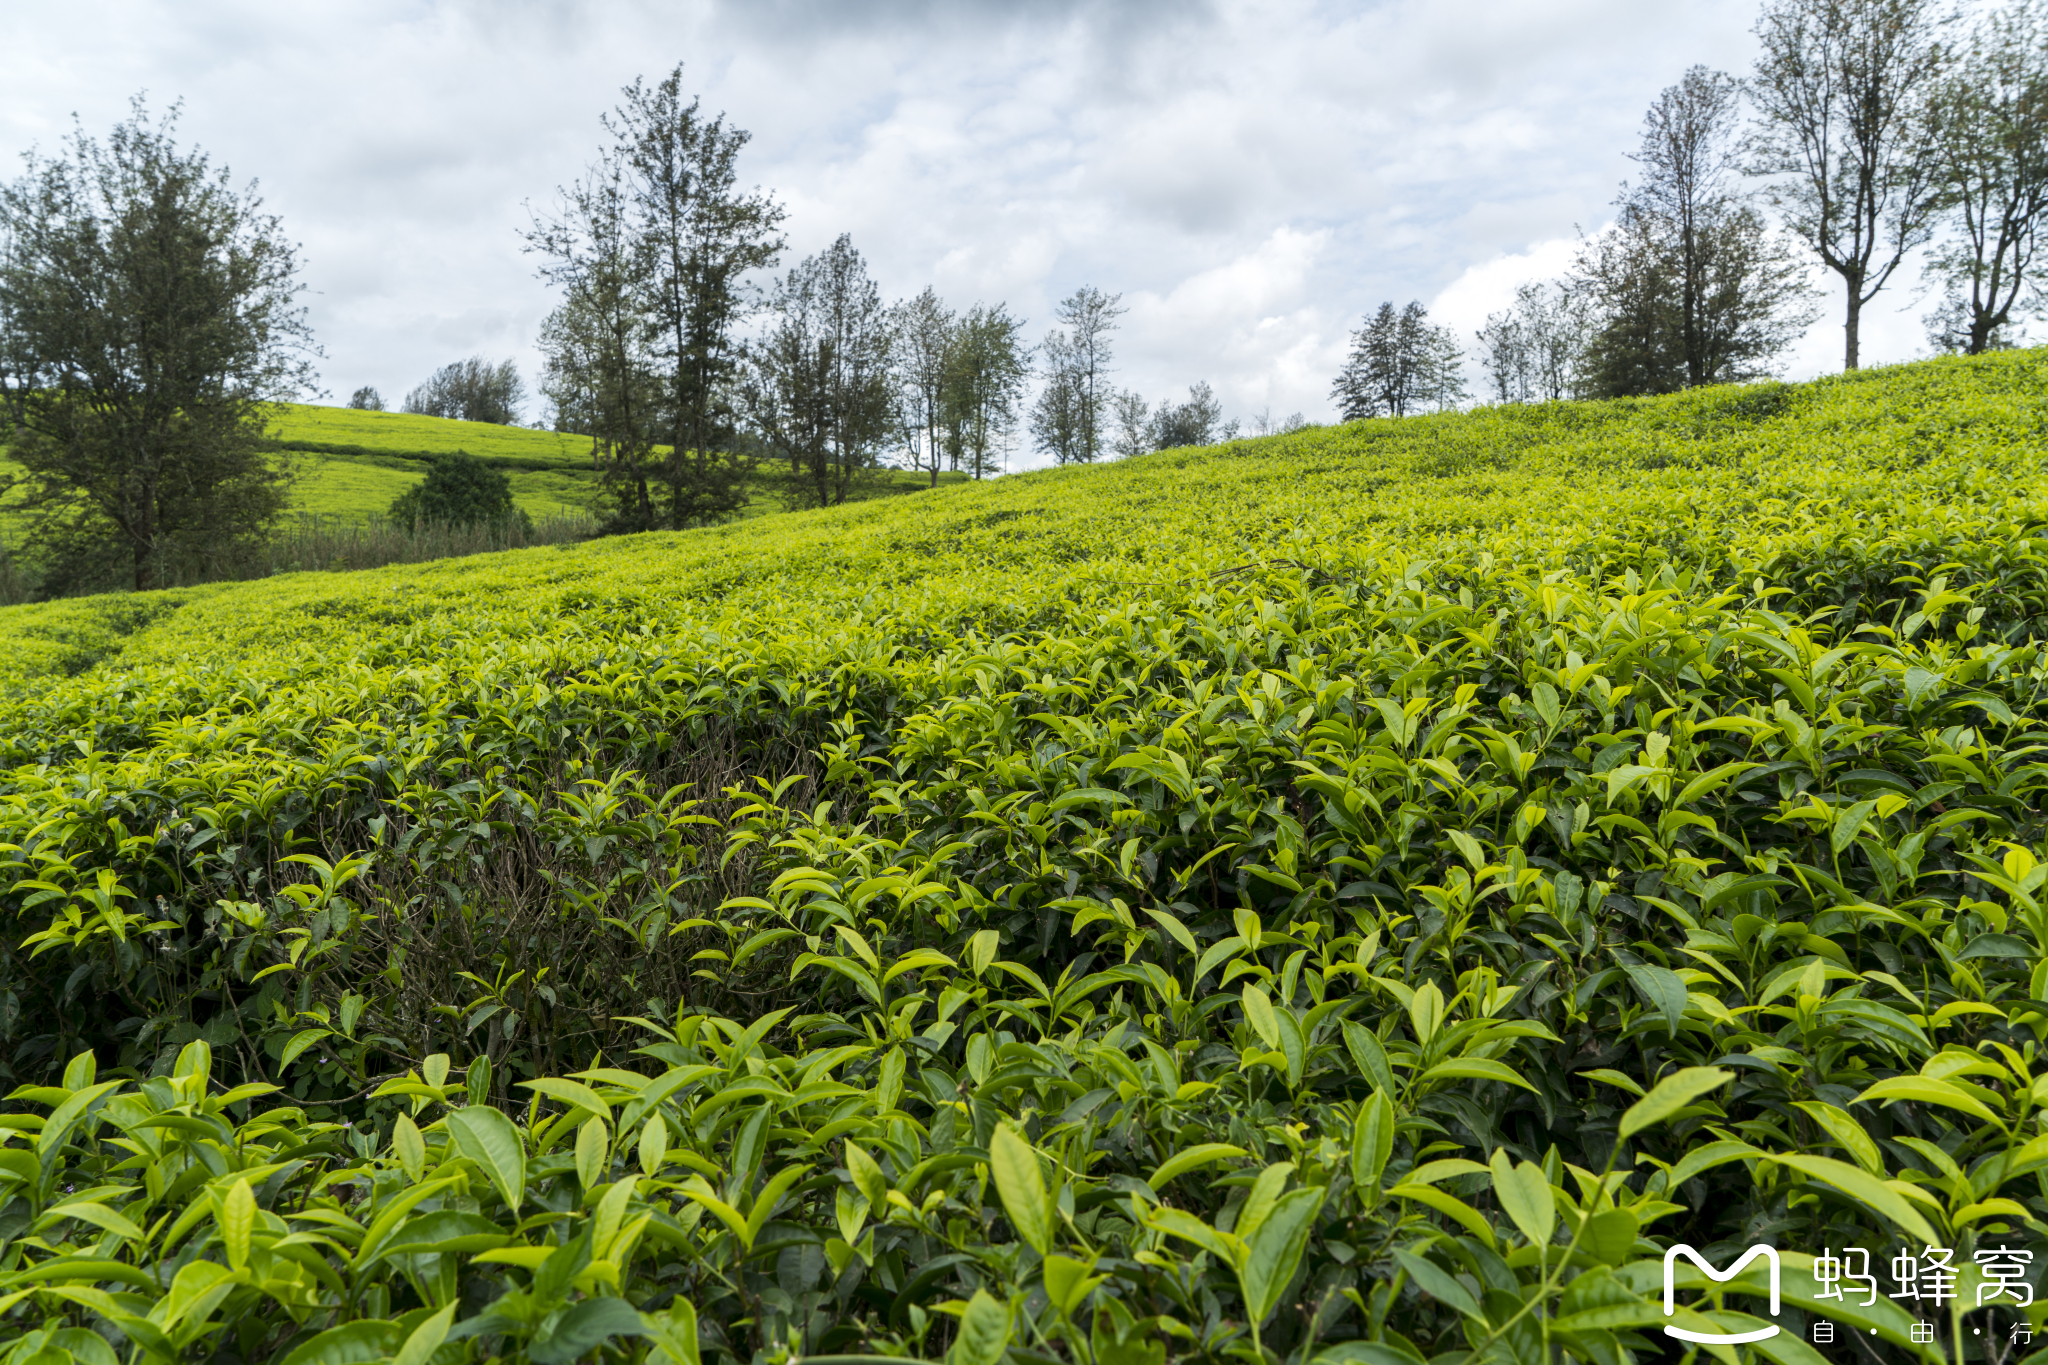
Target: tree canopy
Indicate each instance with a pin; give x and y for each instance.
(138, 417)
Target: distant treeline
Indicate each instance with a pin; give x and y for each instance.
(1875, 128)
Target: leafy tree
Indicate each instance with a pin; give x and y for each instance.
(1689, 286)
(148, 314)
(1133, 418)
(925, 341)
(697, 239)
(1990, 127)
(600, 372)
(1504, 357)
(1842, 89)
(366, 399)
(1068, 419)
(1061, 421)
(987, 365)
(1399, 363)
(820, 391)
(1951, 324)
(1554, 323)
(1193, 423)
(459, 490)
(472, 390)
(652, 250)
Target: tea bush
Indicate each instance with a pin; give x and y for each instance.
(1351, 897)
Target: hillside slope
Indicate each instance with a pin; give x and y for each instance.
(353, 464)
(1264, 877)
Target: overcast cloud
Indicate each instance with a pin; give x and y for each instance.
(1250, 177)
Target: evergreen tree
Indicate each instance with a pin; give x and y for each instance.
(1399, 364)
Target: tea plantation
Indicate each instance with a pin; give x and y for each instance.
(1357, 896)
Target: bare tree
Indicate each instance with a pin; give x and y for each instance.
(148, 315)
(1263, 423)
(1991, 137)
(1842, 89)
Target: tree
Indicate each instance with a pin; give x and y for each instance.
(986, 369)
(1068, 419)
(698, 238)
(472, 390)
(148, 316)
(925, 335)
(1504, 357)
(1399, 363)
(1060, 421)
(1193, 423)
(1133, 418)
(1951, 330)
(366, 399)
(1556, 324)
(1263, 423)
(459, 490)
(819, 389)
(653, 249)
(1990, 129)
(1690, 284)
(1842, 89)
(600, 371)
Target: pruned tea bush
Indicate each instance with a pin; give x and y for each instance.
(1357, 896)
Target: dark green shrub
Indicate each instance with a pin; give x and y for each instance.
(459, 490)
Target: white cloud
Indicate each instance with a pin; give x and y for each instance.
(1253, 175)
(1490, 287)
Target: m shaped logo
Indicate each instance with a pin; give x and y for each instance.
(1770, 1254)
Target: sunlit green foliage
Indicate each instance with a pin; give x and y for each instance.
(311, 427)
(1354, 896)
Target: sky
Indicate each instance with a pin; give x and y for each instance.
(1250, 178)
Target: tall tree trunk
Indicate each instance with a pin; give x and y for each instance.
(1852, 327)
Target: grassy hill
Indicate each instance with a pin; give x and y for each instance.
(352, 464)
(356, 463)
(1349, 898)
